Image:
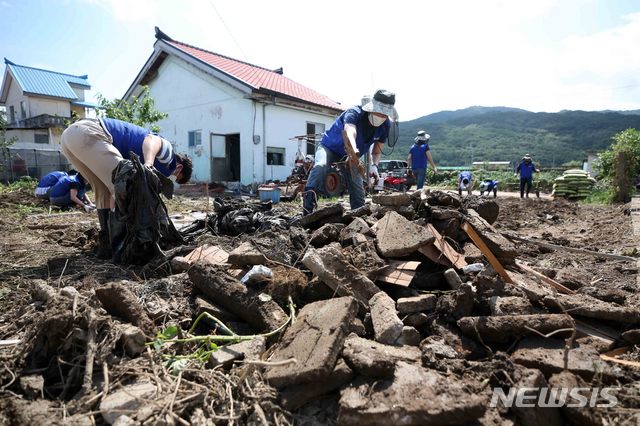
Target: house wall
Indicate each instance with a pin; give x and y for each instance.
(13, 99)
(38, 106)
(196, 100)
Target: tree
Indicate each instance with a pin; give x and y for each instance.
(4, 142)
(620, 164)
(141, 110)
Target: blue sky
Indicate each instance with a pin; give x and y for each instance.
(544, 55)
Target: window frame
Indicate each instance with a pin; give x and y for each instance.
(280, 152)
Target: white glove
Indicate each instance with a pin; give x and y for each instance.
(373, 171)
(88, 208)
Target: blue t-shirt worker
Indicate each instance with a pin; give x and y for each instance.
(419, 154)
(465, 182)
(64, 190)
(526, 169)
(352, 135)
(95, 146)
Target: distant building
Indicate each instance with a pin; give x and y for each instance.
(492, 165)
(234, 119)
(38, 102)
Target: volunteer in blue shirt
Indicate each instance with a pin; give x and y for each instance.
(419, 154)
(352, 135)
(69, 191)
(526, 169)
(96, 146)
(46, 183)
(64, 190)
(465, 182)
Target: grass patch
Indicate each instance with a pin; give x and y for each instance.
(601, 194)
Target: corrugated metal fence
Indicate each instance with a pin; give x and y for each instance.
(18, 162)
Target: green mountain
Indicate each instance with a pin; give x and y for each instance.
(506, 134)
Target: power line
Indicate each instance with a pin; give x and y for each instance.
(228, 30)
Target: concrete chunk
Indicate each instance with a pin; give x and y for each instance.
(246, 255)
(453, 279)
(314, 340)
(326, 234)
(542, 355)
(330, 265)
(386, 324)
(415, 396)
(409, 337)
(508, 327)
(587, 416)
(249, 349)
(510, 305)
(132, 338)
(296, 396)
(225, 290)
(397, 237)
(359, 226)
(422, 303)
(501, 247)
(373, 359)
(590, 307)
(532, 414)
(315, 219)
(393, 200)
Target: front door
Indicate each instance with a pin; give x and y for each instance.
(225, 157)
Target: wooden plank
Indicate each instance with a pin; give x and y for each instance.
(477, 240)
(407, 266)
(435, 255)
(569, 249)
(456, 259)
(545, 279)
(611, 356)
(210, 254)
(399, 278)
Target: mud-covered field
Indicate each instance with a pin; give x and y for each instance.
(69, 350)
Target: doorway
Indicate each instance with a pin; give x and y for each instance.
(225, 157)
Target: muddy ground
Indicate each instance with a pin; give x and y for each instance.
(43, 378)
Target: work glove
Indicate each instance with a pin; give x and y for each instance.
(88, 208)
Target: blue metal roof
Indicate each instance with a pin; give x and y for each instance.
(84, 104)
(46, 83)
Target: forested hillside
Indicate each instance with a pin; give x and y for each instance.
(506, 134)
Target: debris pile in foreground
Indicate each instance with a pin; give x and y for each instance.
(409, 310)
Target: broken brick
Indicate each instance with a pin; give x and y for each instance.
(373, 359)
(386, 324)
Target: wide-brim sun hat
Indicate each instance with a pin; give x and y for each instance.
(526, 157)
(422, 136)
(382, 102)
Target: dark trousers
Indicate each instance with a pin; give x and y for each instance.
(525, 182)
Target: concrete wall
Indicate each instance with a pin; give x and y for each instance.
(196, 100)
(13, 100)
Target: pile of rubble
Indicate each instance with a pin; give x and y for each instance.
(401, 316)
(413, 309)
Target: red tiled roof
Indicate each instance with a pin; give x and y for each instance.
(257, 77)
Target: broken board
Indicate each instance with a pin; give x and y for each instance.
(441, 245)
(477, 240)
(399, 273)
(213, 255)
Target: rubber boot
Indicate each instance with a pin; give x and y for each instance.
(309, 202)
(117, 236)
(103, 249)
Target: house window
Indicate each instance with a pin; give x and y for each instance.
(195, 138)
(313, 129)
(12, 114)
(41, 138)
(275, 156)
(23, 110)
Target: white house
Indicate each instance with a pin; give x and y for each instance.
(234, 119)
(38, 102)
